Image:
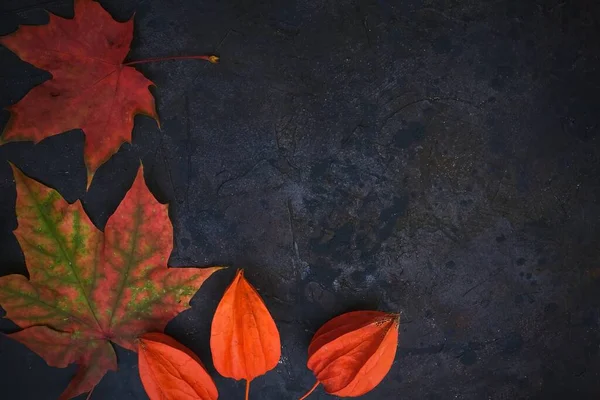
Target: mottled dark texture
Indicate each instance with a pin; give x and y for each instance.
(439, 158)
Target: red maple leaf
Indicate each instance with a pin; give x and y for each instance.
(90, 89)
(88, 288)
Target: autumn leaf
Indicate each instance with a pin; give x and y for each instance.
(353, 352)
(244, 339)
(171, 371)
(88, 288)
(91, 89)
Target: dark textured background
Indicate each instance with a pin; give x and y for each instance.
(436, 158)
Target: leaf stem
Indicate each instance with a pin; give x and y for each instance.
(310, 391)
(210, 58)
(247, 389)
(89, 396)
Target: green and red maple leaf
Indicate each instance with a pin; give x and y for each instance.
(90, 88)
(88, 288)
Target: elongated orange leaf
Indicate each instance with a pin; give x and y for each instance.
(171, 371)
(244, 339)
(91, 89)
(353, 352)
(88, 288)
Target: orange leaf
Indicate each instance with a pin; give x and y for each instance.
(171, 371)
(352, 353)
(244, 339)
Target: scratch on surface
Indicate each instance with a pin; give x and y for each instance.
(438, 12)
(430, 99)
(239, 176)
(482, 282)
(394, 98)
(225, 38)
(446, 230)
(475, 287)
(277, 140)
(498, 188)
(347, 138)
(292, 230)
(419, 351)
(278, 130)
(366, 26)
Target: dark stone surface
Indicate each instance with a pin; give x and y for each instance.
(434, 157)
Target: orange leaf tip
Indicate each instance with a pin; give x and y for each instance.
(171, 371)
